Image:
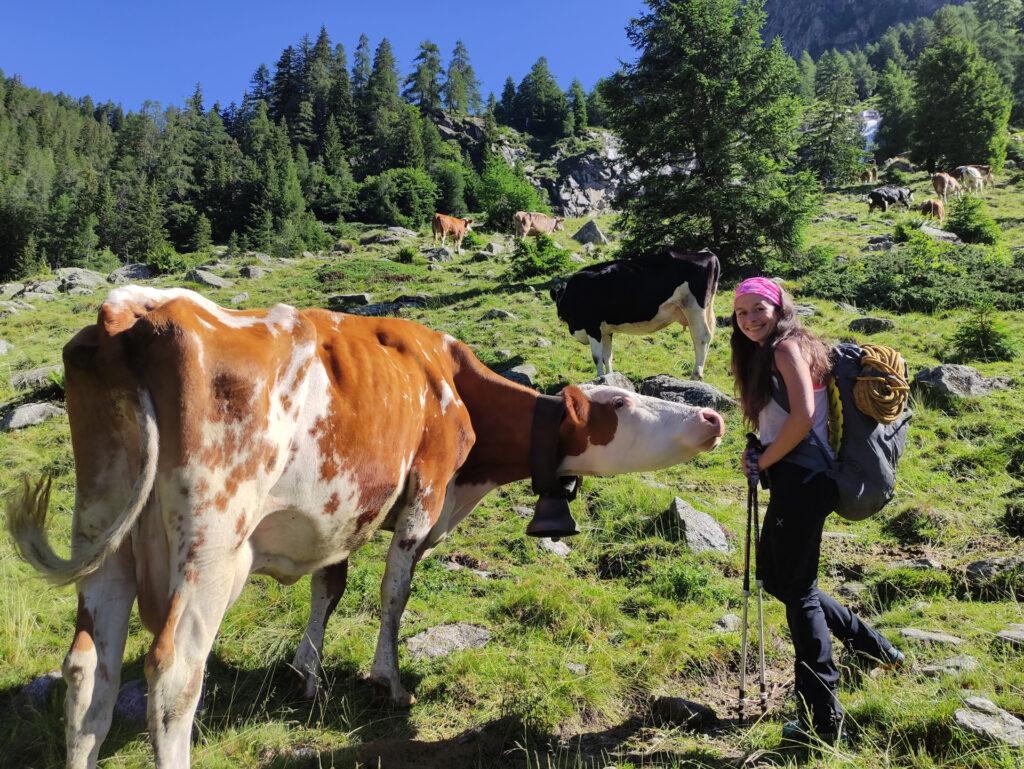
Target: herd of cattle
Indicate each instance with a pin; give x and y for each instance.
(968, 178)
(212, 444)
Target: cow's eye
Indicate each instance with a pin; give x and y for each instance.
(618, 402)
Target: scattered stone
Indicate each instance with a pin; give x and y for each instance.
(950, 666)
(343, 302)
(5, 347)
(378, 309)
(951, 380)
(681, 712)
(131, 702)
(1012, 637)
(542, 342)
(930, 637)
(524, 374)
(29, 414)
(941, 235)
(35, 378)
(804, 310)
(207, 278)
(615, 379)
(344, 247)
(728, 623)
(308, 255)
(72, 278)
(923, 563)
(577, 668)
(590, 233)
(687, 391)
(698, 530)
(558, 548)
(984, 719)
(523, 511)
(130, 273)
(481, 256)
(9, 308)
(9, 290)
(253, 272)
(36, 288)
(452, 565)
(239, 298)
(403, 232)
(981, 573)
(852, 591)
(847, 307)
(492, 248)
(412, 300)
(442, 640)
(439, 254)
(36, 692)
(847, 218)
(840, 535)
(871, 325)
(263, 259)
(496, 314)
(36, 296)
(577, 259)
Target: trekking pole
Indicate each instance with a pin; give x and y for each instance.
(752, 504)
(746, 605)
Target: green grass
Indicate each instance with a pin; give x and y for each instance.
(630, 604)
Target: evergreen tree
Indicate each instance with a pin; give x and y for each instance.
(285, 89)
(382, 87)
(597, 110)
(808, 70)
(361, 69)
(461, 89)
(398, 139)
(317, 88)
(864, 75)
(342, 107)
(504, 113)
(423, 85)
(896, 106)
(706, 94)
(540, 107)
(303, 132)
(578, 106)
(832, 144)
(962, 107)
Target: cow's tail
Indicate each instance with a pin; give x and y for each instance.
(709, 304)
(27, 511)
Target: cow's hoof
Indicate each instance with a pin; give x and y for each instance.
(397, 696)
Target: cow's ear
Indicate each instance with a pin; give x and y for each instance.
(577, 406)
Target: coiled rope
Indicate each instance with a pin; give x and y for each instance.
(883, 397)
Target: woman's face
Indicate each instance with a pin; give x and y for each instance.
(755, 316)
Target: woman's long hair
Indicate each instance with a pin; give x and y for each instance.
(752, 363)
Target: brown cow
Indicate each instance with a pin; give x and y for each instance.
(869, 175)
(945, 185)
(934, 208)
(983, 172)
(531, 223)
(444, 225)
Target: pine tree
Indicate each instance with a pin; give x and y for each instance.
(578, 106)
(382, 87)
(342, 107)
(361, 68)
(285, 89)
(962, 107)
(597, 109)
(896, 105)
(707, 94)
(423, 85)
(505, 111)
(462, 89)
(540, 107)
(808, 70)
(832, 145)
(303, 132)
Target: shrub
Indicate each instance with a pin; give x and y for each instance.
(535, 258)
(905, 227)
(102, 261)
(802, 262)
(163, 259)
(969, 218)
(503, 190)
(451, 186)
(897, 177)
(681, 581)
(406, 255)
(406, 197)
(981, 337)
(472, 241)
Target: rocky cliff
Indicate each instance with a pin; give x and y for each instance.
(817, 25)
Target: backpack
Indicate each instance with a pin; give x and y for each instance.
(865, 451)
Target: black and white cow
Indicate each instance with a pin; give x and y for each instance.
(640, 296)
(889, 195)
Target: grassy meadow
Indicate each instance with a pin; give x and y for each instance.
(580, 644)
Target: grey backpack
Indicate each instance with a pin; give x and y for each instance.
(865, 450)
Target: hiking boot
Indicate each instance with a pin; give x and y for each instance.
(893, 658)
(797, 732)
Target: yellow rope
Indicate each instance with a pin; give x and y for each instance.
(884, 397)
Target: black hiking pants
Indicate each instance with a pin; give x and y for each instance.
(787, 564)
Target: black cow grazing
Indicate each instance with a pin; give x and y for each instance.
(640, 296)
(883, 197)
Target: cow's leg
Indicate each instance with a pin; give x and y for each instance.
(92, 667)
(597, 353)
(326, 589)
(606, 352)
(700, 333)
(411, 531)
(176, 660)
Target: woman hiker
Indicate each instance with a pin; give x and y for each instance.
(771, 351)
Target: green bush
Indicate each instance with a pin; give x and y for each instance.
(681, 581)
(923, 275)
(164, 259)
(406, 255)
(969, 218)
(535, 258)
(406, 197)
(450, 179)
(802, 262)
(503, 190)
(472, 241)
(896, 177)
(102, 261)
(905, 228)
(981, 337)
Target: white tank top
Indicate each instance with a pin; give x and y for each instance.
(769, 421)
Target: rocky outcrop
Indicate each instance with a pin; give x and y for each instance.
(817, 25)
(587, 182)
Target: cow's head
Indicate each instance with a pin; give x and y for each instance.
(608, 430)
(559, 223)
(468, 223)
(556, 291)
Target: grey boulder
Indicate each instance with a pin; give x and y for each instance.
(35, 378)
(29, 414)
(343, 302)
(253, 272)
(982, 718)
(698, 530)
(590, 233)
(130, 273)
(443, 640)
(207, 278)
(950, 666)
(615, 379)
(72, 278)
(524, 374)
(930, 637)
(951, 380)
(870, 325)
(688, 391)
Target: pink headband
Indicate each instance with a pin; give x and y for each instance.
(769, 289)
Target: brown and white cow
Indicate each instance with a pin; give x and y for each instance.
(444, 225)
(526, 223)
(212, 444)
(984, 173)
(945, 185)
(869, 175)
(970, 178)
(934, 208)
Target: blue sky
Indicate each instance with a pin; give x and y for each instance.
(132, 51)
